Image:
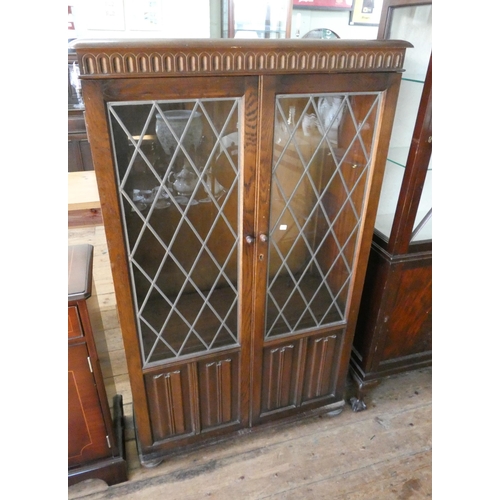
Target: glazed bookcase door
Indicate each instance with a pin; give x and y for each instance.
(321, 156)
(180, 170)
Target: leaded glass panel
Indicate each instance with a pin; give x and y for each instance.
(323, 151)
(177, 164)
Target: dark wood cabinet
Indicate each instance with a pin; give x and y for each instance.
(394, 330)
(238, 183)
(95, 448)
(79, 155)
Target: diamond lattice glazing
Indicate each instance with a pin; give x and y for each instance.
(322, 156)
(177, 164)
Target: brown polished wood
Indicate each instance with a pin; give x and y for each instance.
(191, 400)
(94, 448)
(394, 330)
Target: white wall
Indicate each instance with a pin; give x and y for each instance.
(141, 18)
(337, 20)
(188, 19)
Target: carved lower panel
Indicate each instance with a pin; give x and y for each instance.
(169, 403)
(218, 387)
(280, 371)
(321, 358)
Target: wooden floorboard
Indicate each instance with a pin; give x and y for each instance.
(384, 452)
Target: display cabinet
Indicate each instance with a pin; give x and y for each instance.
(394, 330)
(95, 440)
(238, 184)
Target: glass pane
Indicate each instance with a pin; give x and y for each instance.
(412, 23)
(260, 18)
(177, 167)
(422, 229)
(322, 157)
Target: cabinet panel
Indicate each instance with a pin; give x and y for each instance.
(322, 358)
(280, 375)
(411, 312)
(169, 402)
(219, 391)
(86, 429)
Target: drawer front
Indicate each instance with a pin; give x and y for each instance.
(75, 329)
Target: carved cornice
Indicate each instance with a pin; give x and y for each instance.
(224, 57)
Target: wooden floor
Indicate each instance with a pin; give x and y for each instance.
(384, 452)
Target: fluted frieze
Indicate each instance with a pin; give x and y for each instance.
(106, 60)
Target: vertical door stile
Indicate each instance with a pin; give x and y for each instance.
(387, 107)
(250, 128)
(101, 144)
(194, 395)
(267, 90)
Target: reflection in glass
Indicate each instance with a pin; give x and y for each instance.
(258, 18)
(177, 166)
(422, 229)
(414, 23)
(322, 157)
(76, 83)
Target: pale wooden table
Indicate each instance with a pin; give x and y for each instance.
(84, 207)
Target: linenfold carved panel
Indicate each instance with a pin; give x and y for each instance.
(242, 59)
(169, 403)
(281, 366)
(218, 381)
(320, 357)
